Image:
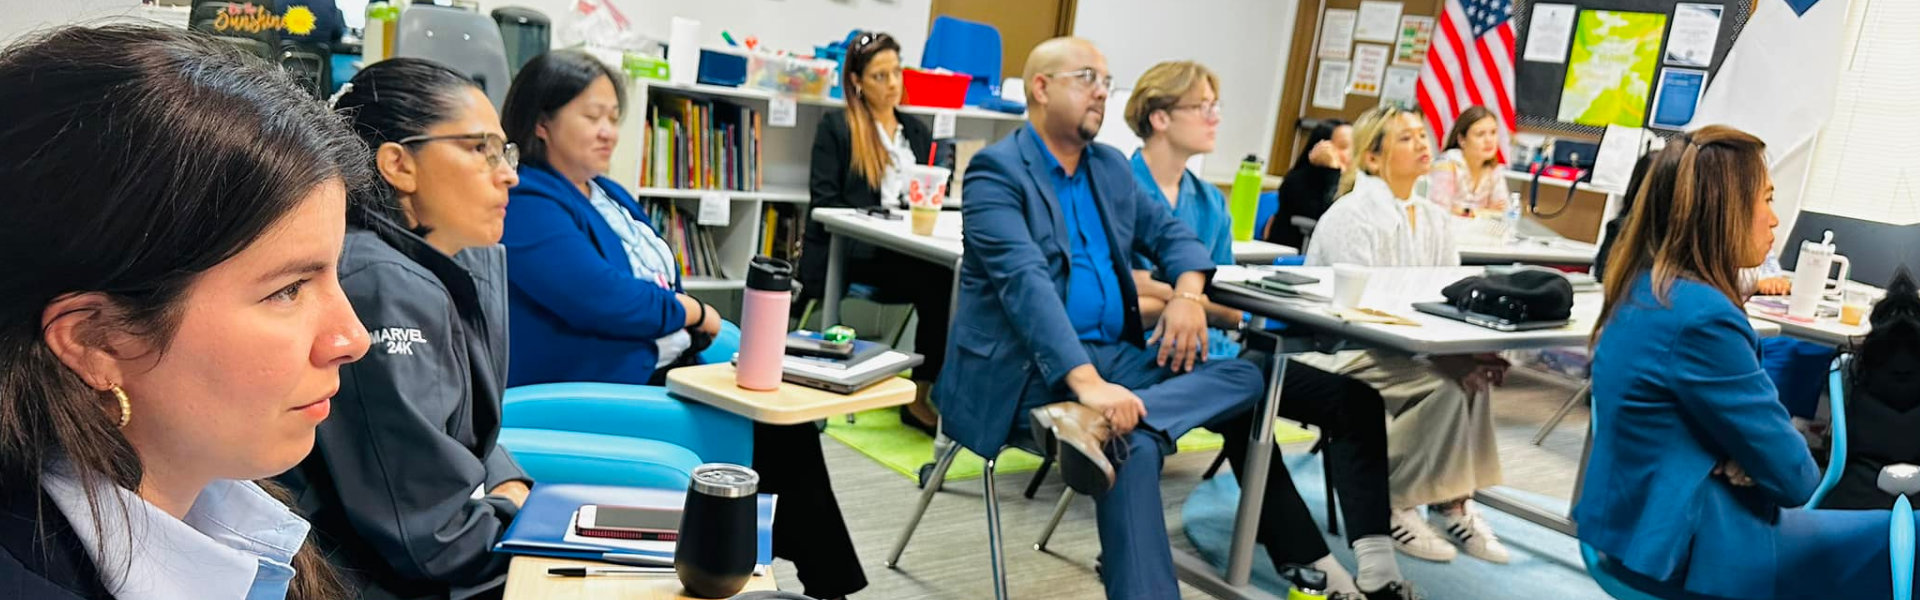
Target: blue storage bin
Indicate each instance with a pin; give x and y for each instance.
(722, 67)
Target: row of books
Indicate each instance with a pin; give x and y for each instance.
(694, 247)
(781, 236)
(698, 143)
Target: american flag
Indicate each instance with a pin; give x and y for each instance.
(1471, 62)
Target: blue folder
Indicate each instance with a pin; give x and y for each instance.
(541, 527)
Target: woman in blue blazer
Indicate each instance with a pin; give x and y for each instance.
(594, 295)
(1696, 470)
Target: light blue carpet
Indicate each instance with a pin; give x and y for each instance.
(1546, 564)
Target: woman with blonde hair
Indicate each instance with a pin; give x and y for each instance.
(1696, 467)
(1440, 441)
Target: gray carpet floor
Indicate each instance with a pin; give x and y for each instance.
(947, 558)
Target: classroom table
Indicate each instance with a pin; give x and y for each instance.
(789, 404)
(943, 248)
(1482, 242)
(1823, 330)
(1392, 290)
(527, 579)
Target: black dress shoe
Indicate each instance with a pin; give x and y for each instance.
(1398, 590)
(1078, 437)
(907, 418)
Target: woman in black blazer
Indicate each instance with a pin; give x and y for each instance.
(857, 155)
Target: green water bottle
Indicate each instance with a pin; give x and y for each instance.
(1244, 201)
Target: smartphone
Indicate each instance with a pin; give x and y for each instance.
(811, 346)
(628, 523)
(1286, 278)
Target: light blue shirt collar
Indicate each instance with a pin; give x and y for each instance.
(236, 543)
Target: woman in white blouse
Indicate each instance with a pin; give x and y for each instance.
(1440, 443)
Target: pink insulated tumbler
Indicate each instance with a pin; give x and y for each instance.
(763, 323)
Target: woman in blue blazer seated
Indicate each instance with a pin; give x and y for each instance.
(594, 294)
(1696, 470)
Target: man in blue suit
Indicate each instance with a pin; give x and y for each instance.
(1048, 315)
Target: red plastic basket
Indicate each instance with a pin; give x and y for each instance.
(935, 90)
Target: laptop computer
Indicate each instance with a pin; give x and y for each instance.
(1484, 320)
(852, 378)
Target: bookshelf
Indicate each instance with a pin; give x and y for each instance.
(782, 165)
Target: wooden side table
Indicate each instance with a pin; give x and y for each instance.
(790, 404)
(527, 579)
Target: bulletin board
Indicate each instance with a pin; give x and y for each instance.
(1540, 85)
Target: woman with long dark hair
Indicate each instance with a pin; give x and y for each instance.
(858, 155)
(591, 302)
(171, 323)
(1312, 183)
(390, 484)
(1468, 179)
(1696, 468)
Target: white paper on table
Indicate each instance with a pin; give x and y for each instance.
(1336, 33)
(1330, 88)
(1695, 31)
(1369, 65)
(1619, 149)
(1379, 21)
(1394, 290)
(1399, 86)
(1550, 32)
(1416, 35)
(943, 123)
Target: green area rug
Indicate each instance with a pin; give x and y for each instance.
(880, 435)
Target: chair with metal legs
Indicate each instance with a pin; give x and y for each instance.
(1578, 398)
(931, 483)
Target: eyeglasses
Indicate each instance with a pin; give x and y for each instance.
(499, 151)
(1088, 77)
(1207, 109)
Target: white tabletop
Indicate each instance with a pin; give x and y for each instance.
(1483, 242)
(945, 246)
(1822, 330)
(1394, 290)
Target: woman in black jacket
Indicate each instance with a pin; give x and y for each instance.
(391, 484)
(1310, 185)
(857, 155)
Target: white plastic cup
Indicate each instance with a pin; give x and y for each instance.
(1349, 285)
(926, 191)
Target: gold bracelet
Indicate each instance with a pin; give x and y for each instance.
(1201, 298)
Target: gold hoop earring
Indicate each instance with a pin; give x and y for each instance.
(126, 406)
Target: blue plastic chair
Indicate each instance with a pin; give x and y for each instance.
(967, 47)
(616, 434)
(1900, 529)
(1269, 205)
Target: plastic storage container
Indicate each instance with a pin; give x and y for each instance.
(782, 74)
(722, 67)
(935, 89)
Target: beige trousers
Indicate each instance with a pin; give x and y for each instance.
(1440, 440)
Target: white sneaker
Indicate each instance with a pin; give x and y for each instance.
(1472, 533)
(1415, 538)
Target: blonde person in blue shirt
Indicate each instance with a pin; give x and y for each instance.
(171, 320)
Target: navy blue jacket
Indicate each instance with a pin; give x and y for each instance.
(1011, 338)
(1678, 388)
(577, 313)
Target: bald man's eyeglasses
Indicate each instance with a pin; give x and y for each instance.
(1088, 77)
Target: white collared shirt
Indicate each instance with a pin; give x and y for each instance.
(236, 543)
(893, 183)
(1368, 227)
